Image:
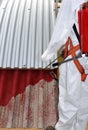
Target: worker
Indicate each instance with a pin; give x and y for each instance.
(73, 79)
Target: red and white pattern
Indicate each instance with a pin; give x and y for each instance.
(36, 107)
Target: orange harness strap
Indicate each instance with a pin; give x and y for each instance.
(72, 52)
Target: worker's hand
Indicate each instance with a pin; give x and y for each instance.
(61, 51)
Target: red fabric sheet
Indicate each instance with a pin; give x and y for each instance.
(13, 82)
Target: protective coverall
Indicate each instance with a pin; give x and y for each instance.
(73, 93)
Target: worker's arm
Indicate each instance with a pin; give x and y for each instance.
(61, 31)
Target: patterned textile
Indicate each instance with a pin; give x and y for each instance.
(34, 105)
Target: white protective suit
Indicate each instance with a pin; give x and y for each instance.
(73, 97)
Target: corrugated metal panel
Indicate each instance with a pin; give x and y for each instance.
(0, 2)
(25, 31)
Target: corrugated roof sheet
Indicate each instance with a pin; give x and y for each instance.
(25, 31)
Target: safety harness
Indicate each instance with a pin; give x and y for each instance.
(72, 51)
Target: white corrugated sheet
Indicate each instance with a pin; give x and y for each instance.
(25, 30)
